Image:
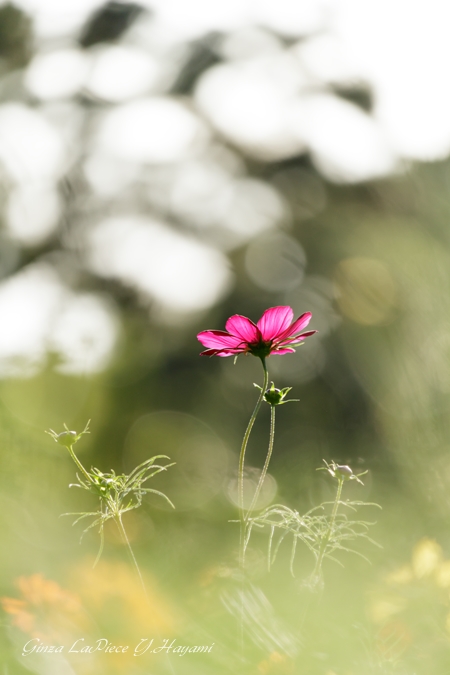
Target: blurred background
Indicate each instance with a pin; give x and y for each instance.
(165, 164)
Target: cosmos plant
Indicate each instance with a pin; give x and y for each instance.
(274, 334)
(326, 529)
(117, 493)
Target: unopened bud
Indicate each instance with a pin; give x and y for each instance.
(66, 438)
(273, 395)
(343, 470)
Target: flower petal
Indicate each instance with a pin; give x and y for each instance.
(243, 328)
(221, 352)
(296, 339)
(218, 339)
(286, 350)
(275, 321)
(297, 326)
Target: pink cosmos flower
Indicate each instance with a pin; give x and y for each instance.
(273, 334)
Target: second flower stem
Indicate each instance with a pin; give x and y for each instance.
(266, 463)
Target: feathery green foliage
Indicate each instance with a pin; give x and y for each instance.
(324, 529)
(117, 493)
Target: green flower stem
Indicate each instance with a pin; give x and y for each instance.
(242, 461)
(266, 463)
(123, 534)
(329, 532)
(79, 464)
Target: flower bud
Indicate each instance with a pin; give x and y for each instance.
(103, 485)
(66, 438)
(343, 471)
(274, 396)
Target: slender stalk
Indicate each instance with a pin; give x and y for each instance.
(266, 463)
(123, 534)
(329, 532)
(242, 462)
(79, 464)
